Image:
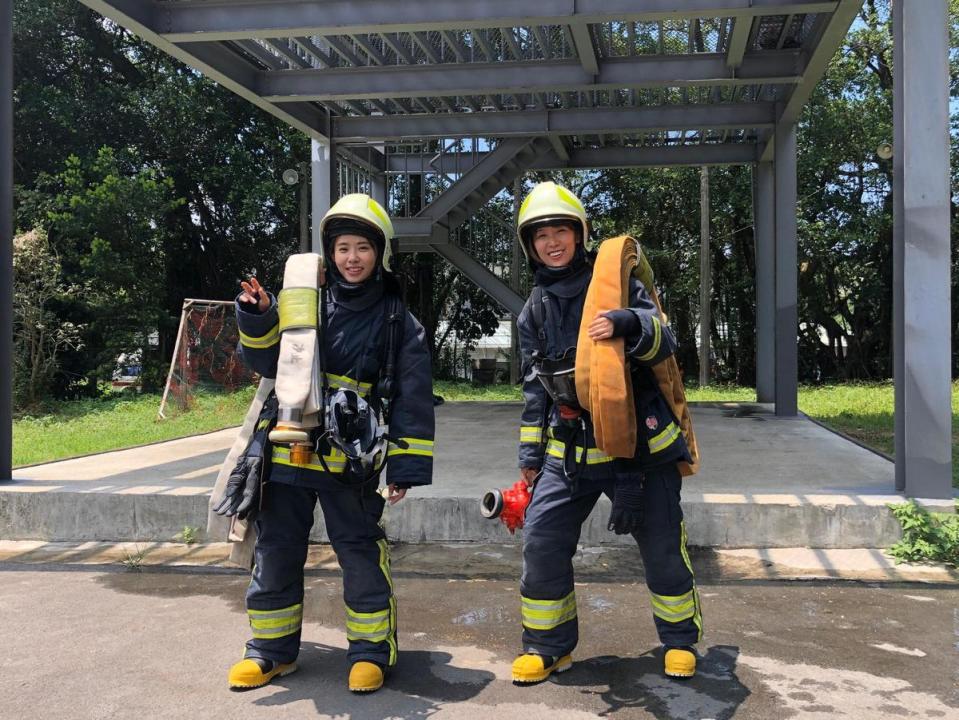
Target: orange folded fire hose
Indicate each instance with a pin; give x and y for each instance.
(603, 383)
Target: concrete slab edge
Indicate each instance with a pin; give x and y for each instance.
(71, 516)
(494, 560)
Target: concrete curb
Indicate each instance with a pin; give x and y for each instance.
(493, 560)
(712, 520)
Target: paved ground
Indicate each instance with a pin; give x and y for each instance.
(88, 643)
(765, 482)
(747, 452)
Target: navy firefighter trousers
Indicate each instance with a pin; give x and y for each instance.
(550, 535)
(274, 599)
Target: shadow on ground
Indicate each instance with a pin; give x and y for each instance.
(421, 684)
(638, 683)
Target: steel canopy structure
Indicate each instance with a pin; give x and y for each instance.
(384, 89)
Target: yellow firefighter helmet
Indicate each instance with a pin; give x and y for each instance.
(361, 208)
(549, 201)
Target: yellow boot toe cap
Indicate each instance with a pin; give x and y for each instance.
(680, 663)
(531, 668)
(248, 674)
(365, 677)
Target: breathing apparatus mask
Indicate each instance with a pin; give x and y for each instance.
(352, 427)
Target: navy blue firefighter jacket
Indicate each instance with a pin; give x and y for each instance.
(354, 343)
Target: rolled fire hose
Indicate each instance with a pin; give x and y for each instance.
(298, 372)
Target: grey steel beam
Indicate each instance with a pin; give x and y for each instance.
(201, 20)
(559, 147)
(471, 180)
(459, 50)
(426, 46)
(363, 41)
(782, 67)
(667, 156)
(557, 122)
(787, 318)
(737, 41)
(6, 239)
(585, 49)
(898, 248)
(922, 284)
(413, 227)
(261, 54)
(481, 277)
(344, 51)
(323, 190)
(595, 158)
(213, 60)
(824, 47)
(399, 48)
(764, 239)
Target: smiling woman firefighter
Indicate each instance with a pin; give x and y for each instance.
(563, 338)
(349, 361)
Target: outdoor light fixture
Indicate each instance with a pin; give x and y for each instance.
(884, 151)
(291, 177)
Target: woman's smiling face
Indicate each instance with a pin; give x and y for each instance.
(554, 245)
(355, 257)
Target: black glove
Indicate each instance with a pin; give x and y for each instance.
(242, 494)
(242, 489)
(627, 513)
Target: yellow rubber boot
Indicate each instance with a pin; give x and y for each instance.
(365, 677)
(680, 662)
(256, 672)
(531, 668)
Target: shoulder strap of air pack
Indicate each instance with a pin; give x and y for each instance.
(537, 313)
(393, 320)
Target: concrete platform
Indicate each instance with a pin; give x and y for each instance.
(766, 482)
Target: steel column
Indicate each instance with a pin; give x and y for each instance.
(6, 239)
(764, 221)
(923, 333)
(322, 165)
(787, 319)
(705, 277)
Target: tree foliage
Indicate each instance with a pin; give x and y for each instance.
(151, 184)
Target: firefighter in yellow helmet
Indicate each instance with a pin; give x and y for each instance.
(376, 369)
(558, 454)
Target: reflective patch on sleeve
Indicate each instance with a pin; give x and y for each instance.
(415, 446)
(531, 434)
(262, 342)
(657, 340)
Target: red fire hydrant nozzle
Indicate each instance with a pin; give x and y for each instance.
(508, 505)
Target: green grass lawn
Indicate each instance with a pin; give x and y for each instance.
(68, 429)
(80, 427)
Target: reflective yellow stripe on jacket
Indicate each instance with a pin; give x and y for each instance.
(335, 461)
(664, 439)
(531, 434)
(594, 456)
(657, 341)
(415, 446)
(264, 341)
(342, 382)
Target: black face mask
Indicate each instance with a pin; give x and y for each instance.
(546, 276)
